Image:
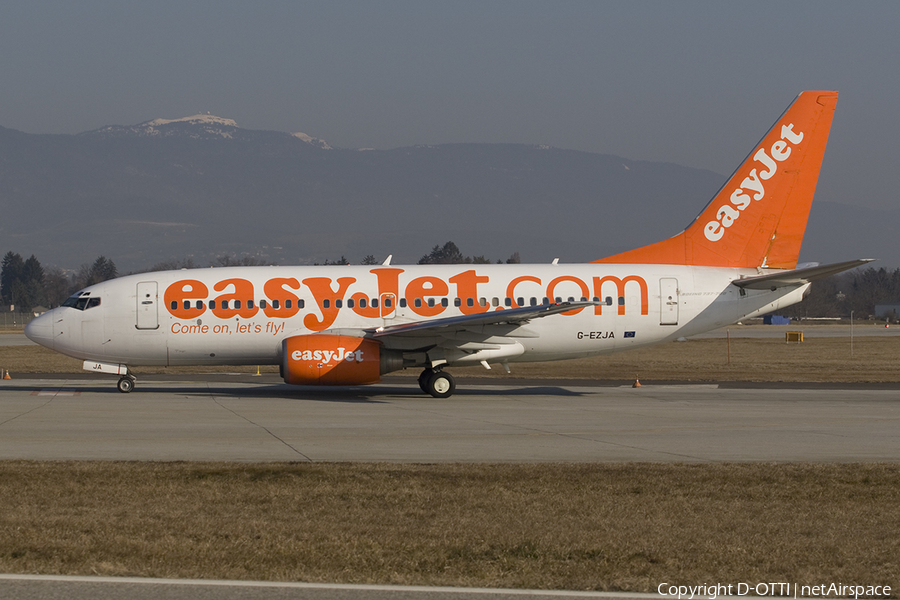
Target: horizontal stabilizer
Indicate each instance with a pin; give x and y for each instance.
(797, 276)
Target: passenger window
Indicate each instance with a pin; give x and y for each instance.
(533, 301)
(470, 301)
(212, 305)
(237, 303)
(457, 302)
(431, 303)
(174, 304)
(495, 301)
(507, 301)
(609, 300)
(482, 301)
(290, 303)
(621, 300)
(338, 303)
(402, 302)
(200, 304)
(300, 303)
(362, 303)
(387, 302)
(546, 300)
(275, 304)
(351, 303)
(262, 304)
(418, 302)
(249, 303)
(520, 301)
(444, 302)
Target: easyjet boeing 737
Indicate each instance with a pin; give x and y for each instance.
(343, 325)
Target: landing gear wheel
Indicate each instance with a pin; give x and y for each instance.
(423, 380)
(126, 384)
(441, 385)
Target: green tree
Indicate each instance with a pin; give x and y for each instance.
(102, 269)
(56, 287)
(22, 282)
(11, 272)
(448, 254)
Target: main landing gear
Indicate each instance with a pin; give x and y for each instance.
(437, 383)
(126, 383)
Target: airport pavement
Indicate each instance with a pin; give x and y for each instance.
(15, 339)
(240, 418)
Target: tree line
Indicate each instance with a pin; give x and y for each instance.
(856, 291)
(26, 284)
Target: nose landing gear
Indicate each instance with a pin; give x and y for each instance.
(126, 383)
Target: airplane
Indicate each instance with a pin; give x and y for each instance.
(348, 325)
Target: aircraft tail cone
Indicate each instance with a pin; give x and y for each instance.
(637, 383)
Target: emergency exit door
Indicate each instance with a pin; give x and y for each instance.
(668, 301)
(147, 301)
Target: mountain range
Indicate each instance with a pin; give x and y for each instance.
(202, 187)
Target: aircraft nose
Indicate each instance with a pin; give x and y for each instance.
(40, 330)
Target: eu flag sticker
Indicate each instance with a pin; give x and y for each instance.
(629, 334)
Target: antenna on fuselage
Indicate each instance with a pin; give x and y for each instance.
(387, 261)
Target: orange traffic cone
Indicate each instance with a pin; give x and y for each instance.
(6, 376)
(637, 383)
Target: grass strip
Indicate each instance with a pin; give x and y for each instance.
(561, 526)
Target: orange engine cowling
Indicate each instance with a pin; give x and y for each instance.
(319, 359)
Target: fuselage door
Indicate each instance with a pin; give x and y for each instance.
(388, 303)
(668, 301)
(147, 301)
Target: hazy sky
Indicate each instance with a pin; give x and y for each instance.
(694, 83)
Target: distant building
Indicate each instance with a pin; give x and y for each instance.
(887, 311)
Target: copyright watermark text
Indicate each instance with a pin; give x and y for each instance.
(778, 588)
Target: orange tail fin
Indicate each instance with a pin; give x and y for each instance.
(758, 218)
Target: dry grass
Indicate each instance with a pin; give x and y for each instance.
(824, 359)
(601, 527)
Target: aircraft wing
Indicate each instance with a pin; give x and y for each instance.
(797, 276)
(511, 316)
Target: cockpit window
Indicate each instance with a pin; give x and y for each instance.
(81, 301)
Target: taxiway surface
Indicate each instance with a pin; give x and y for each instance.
(242, 419)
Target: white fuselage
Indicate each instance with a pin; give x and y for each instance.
(240, 315)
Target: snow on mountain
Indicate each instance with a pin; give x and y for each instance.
(312, 141)
(199, 126)
(206, 119)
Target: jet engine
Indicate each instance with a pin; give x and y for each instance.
(322, 359)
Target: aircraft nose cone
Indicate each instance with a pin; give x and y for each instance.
(40, 330)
